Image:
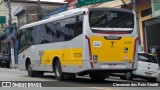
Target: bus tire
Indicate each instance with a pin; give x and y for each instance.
(31, 73)
(98, 77)
(59, 75)
(122, 77)
(129, 76)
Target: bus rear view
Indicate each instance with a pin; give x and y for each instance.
(111, 40)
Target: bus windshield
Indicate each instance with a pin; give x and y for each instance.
(111, 20)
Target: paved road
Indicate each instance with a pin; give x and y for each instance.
(81, 83)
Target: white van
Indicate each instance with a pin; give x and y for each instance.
(148, 68)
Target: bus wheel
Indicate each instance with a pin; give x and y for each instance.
(98, 77)
(128, 76)
(58, 71)
(122, 77)
(31, 73)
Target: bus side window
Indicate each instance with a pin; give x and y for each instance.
(21, 38)
(29, 36)
(79, 22)
(69, 28)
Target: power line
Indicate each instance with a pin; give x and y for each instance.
(18, 8)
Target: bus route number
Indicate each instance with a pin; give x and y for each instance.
(77, 54)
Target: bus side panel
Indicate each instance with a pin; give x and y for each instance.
(22, 57)
(46, 54)
(69, 54)
(72, 57)
(21, 61)
(49, 55)
(72, 61)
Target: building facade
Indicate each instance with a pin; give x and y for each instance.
(30, 11)
(149, 26)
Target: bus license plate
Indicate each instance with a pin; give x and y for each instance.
(112, 66)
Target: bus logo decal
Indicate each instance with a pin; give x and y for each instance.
(112, 44)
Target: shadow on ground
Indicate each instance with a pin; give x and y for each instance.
(84, 82)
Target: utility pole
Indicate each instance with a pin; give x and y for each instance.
(11, 40)
(10, 17)
(39, 10)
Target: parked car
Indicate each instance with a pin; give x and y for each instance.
(4, 60)
(148, 68)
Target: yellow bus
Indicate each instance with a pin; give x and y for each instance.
(95, 41)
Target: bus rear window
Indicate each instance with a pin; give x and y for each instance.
(111, 19)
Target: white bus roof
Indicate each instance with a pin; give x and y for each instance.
(59, 16)
(63, 15)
